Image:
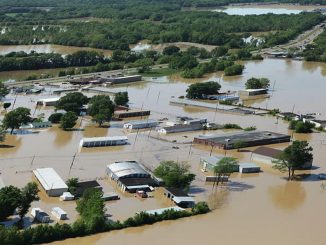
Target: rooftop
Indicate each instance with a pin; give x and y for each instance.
(176, 192)
(129, 111)
(110, 138)
(267, 151)
(138, 181)
(248, 165)
(162, 210)
(49, 178)
(49, 99)
(121, 169)
(142, 121)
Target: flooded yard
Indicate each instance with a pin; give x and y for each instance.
(253, 209)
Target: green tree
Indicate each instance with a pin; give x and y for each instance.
(175, 174)
(68, 120)
(257, 83)
(224, 168)
(121, 98)
(9, 200)
(101, 108)
(72, 102)
(219, 51)
(6, 105)
(29, 194)
(3, 90)
(72, 184)
(239, 144)
(55, 117)
(234, 70)
(2, 134)
(201, 90)
(170, 50)
(16, 118)
(293, 157)
(144, 65)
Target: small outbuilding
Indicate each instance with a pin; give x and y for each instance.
(141, 124)
(248, 168)
(50, 181)
(48, 101)
(179, 197)
(39, 215)
(59, 213)
(253, 92)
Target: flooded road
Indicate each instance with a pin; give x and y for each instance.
(255, 209)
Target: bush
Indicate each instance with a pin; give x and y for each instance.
(251, 128)
(231, 126)
(55, 117)
(200, 208)
(234, 70)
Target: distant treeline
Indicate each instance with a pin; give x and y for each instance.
(316, 51)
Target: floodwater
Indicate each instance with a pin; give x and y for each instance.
(259, 9)
(254, 209)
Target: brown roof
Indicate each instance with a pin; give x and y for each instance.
(268, 152)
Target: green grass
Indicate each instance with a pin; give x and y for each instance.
(158, 72)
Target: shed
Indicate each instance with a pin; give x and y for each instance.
(36, 125)
(59, 213)
(103, 141)
(248, 168)
(50, 181)
(40, 215)
(140, 124)
(67, 196)
(179, 197)
(253, 92)
(48, 101)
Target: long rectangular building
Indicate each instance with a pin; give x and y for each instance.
(50, 181)
(248, 139)
(103, 141)
(131, 113)
(140, 124)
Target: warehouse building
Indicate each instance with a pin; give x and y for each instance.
(253, 92)
(248, 139)
(141, 124)
(103, 141)
(50, 181)
(130, 113)
(48, 101)
(120, 79)
(207, 163)
(181, 128)
(267, 155)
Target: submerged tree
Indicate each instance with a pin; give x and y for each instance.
(257, 83)
(121, 98)
(16, 118)
(293, 157)
(72, 102)
(224, 168)
(9, 200)
(68, 120)
(29, 194)
(101, 108)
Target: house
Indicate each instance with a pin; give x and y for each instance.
(253, 92)
(103, 141)
(267, 155)
(248, 168)
(59, 213)
(248, 139)
(50, 181)
(130, 176)
(179, 197)
(141, 124)
(208, 163)
(36, 125)
(48, 101)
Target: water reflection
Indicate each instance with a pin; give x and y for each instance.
(62, 137)
(289, 196)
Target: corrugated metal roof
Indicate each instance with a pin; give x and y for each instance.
(121, 169)
(49, 179)
(111, 138)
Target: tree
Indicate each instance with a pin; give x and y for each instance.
(68, 120)
(91, 208)
(175, 174)
(239, 144)
(301, 127)
(9, 200)
(2, 134)
(293, 157)
(170, 50)
(3, 90)
(219, 51)
(121, 98)
(224, 168)
(55, 117)
(101, 108)
(6, 105)
(72, 184)
(29, 194)
(72, 102)
(257, 83)
(201, 90)
(144, 65)
(233, 70)
(15, 118)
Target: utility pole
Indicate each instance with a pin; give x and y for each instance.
(72, 163)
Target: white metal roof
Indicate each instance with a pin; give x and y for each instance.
(142, 121)
(49, 99)
(161, 210)
(59, 211)
(248, 165)
(111, 138)
(183, 199)
(121, 169)
(49, 179)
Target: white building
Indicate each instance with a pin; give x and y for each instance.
(140, 124)
(126, 169)
(50, 181)
(103, 141)
(48, 101)
(59, 213)
(318, 123)
(36, 125)
(248, 168)
(40, 215)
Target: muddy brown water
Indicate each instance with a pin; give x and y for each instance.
(254, 209)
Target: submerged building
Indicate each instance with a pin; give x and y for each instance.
(103, 141)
